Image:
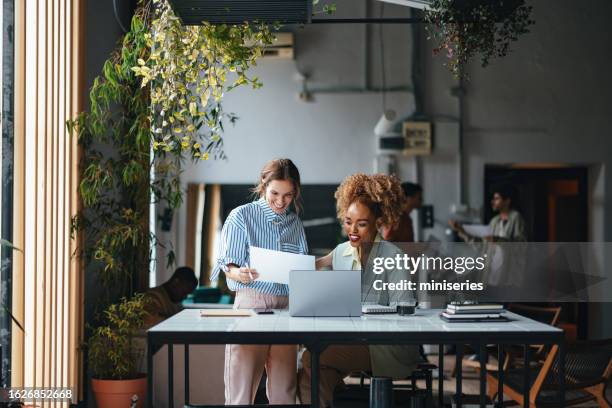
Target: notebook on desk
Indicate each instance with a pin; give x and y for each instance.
(377, 309)
(472, 318)
(226, 312)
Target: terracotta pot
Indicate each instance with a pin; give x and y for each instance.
(118, 393)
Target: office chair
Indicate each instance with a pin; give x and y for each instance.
(588, 369)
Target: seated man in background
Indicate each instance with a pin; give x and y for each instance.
(403, 231)
(165, 300)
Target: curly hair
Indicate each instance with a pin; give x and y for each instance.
(382, 194)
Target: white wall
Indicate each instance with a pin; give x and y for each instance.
(332, 136)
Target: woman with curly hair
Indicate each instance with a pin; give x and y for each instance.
(364, 204)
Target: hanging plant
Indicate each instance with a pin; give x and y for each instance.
(189, 70)
(464, 29)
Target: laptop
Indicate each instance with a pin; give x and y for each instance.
(325, 293)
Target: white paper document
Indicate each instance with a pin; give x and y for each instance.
(274, 266)
(477, 230)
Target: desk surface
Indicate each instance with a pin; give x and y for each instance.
(424, 321)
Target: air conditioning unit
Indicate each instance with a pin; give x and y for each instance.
(194, 12)
(281, 48)
(417, 138)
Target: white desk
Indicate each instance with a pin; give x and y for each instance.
(425, 327)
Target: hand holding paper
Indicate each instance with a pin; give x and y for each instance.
(477, 230)
(274, 266)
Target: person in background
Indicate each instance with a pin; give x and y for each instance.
(507, 226)
(161, 303)
(165, 300)
(265, 223)
(403, 231)
(364, 203)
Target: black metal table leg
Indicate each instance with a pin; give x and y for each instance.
(186, 374)
(149, 373)
(315, 352)
(459, 373)
(500, 375)
(483, 373)
(526, 379)
(170, 375)
(441, 375)
(562, 373)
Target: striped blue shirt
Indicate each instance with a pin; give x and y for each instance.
(255, 224)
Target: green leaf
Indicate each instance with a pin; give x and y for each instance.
(8, 244)
(12, 317)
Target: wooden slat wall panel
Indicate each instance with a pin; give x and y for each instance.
(47, 279)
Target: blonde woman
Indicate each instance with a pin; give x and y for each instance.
(265, 223)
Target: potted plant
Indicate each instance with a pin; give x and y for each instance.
(114, 356)
(463, 29)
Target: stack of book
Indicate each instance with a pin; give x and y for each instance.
(474, 313)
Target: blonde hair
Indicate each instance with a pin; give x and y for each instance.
(280, 169)
(382, 194)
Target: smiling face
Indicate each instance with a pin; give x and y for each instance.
(279, 195)
(359, 224)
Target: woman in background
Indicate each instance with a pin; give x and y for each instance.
(265, 223)
(364, 204)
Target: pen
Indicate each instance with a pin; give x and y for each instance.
(250, 274)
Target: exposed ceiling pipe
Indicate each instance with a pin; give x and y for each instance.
(418, 73)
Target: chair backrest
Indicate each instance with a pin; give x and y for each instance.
(587, 363)
(548, 315)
